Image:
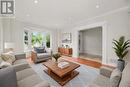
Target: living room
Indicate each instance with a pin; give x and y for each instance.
(40, 35)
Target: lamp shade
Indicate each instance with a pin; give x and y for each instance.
(9, 45)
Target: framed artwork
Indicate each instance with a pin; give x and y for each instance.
(66, 37)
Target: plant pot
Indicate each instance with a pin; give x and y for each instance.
(120, 64)
(56, 61)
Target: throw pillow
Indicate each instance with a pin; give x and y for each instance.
(40, 49)
(115, 78)
(8, 57)
(4, 64)
(0, 60)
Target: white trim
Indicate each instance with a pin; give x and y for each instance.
(35, 29)
(129, 7)
(1, 35)
(104, 38)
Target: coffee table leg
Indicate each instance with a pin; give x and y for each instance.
(49, 71)
(72, 73)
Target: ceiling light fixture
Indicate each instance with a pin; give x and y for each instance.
(27, 15)
(35, 1)
(98, 4)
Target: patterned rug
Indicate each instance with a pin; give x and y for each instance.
(86, 75)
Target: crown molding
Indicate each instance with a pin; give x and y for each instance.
(105, 14)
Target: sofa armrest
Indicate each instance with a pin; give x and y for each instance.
(19, 67)
(106, 71)
(20, 56)
(8, 77)
(33, 56)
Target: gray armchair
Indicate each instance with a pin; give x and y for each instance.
(39, 55)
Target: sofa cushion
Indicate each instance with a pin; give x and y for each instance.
(115, 78)
(100, 81)
(125, 80)
(20, 61)
(4, 64)
(31, 81)
(43, 55)
(19, 67)
(8, 77)
(20, 56)
(40, 49)
(8, 56)
(24, 73)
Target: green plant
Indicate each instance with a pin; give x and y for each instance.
(37, 39)
(48, 40)
(121, 47)
(56, 56)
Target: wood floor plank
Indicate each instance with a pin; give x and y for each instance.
(79, 60)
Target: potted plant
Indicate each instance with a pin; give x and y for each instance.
(56, 56)
(121, 49)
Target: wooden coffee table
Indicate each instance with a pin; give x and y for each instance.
(62, 76)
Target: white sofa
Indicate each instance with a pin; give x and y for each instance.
(103, 79)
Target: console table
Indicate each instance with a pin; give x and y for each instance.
(65, 51)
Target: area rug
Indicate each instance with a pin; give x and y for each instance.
(86, 75)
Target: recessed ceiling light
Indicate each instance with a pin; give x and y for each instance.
(36, 1)
(27, 15)
(97, 6)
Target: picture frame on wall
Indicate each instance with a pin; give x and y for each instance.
(66, 38)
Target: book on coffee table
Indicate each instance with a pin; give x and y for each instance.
(63, 65)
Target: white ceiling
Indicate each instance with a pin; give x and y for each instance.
(63, 13)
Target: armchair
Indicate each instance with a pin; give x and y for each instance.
(38, 55)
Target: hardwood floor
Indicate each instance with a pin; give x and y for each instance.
(84, 61)
(78, 60)
(91, 57)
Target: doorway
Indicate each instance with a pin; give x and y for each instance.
(90, 44)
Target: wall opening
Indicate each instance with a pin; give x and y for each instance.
(90, 44)
(104, 39)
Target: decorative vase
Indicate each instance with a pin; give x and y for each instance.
(120, 64)
(56, 61)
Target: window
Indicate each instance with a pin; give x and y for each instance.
(26, 40)
(40, 39)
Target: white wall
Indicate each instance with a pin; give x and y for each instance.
(118, 24)
(17, 35)
(13, 32)
(1, 36)
(92, 41)
(7, 32)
